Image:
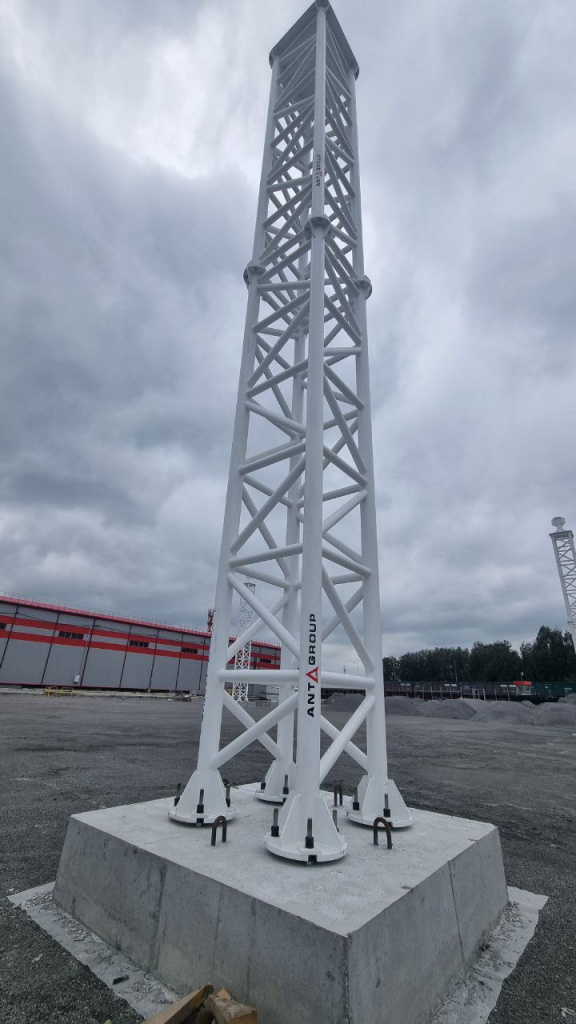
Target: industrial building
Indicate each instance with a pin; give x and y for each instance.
(48, 645)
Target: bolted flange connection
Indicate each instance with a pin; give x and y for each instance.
(319, 224)
(364, 285)
(310, 839)
(204, 799)
(376, 798)
(277, 783)
(252, 272)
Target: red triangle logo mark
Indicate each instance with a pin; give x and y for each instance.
(313, 675)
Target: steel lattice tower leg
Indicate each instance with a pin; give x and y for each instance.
(300, 512)
(563, 544)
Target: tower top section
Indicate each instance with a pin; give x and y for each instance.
(302, 27)
(559, 522)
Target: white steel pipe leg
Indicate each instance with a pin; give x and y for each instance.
(307, 830)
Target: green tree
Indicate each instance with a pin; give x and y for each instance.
(497, 662)
(391, 670)
(550, 658)
(412, 667)
(434, 665)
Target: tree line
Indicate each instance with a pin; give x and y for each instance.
(549, 658)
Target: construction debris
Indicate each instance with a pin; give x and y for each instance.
(202, 1007)
(181, 1011)
(228, 1011)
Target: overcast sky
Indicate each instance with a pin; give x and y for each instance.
(132, 133)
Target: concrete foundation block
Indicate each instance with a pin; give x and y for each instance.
(380, 935)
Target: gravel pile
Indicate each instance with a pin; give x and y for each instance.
(494, 712)
(556, 714)
(475, 702)
(506, 713)
(403, 706)
(458, 709)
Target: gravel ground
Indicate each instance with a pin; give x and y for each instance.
(59, 756)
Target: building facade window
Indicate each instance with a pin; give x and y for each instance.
(70, 636)
(189, 650)
(138, 643)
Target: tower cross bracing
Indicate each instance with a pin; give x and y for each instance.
(243, 656)
(300, 515)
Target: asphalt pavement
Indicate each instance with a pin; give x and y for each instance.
(60, 756)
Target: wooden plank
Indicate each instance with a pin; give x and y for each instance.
(179, 1011)
(228, 1011)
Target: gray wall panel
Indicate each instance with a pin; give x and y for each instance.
(33, 615)
(103, 668)
(24, 661)
(8, 607)
(64, 663)
(189, 675)
(137, 669)
(164, 673)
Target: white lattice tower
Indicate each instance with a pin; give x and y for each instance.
(300, 511)
(242, 659)
(563, 544)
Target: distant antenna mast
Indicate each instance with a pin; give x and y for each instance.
(563, 544)
(242, 658)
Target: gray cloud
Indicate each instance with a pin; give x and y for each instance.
(132, 136)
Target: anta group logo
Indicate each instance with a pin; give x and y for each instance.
(318, 170)
(312, 674)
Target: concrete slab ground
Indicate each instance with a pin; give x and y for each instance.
(335, 943)
(59, 758)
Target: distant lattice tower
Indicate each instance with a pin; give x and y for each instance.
(563, 544)
(300, 515)
(242, 659)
